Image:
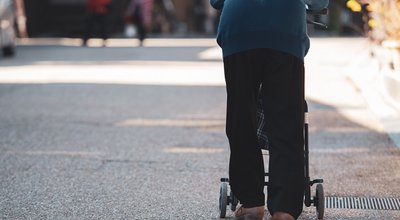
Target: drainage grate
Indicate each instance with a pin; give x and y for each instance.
(362, 203)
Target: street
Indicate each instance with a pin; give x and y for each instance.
(127, 132)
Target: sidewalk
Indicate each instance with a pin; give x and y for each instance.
(349, 142)
(367, 74)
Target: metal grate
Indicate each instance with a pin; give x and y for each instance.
(362, 203)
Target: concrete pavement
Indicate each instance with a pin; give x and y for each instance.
(138, 133)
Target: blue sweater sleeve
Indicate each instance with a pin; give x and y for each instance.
(217, 4)
(317, 4)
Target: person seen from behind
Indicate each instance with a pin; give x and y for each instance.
(140, 12)
(97, 19)
(264, 43)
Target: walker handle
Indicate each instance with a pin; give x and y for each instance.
(324, 26)
(323, 11)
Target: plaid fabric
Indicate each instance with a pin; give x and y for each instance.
(261, 128)
(145, 9)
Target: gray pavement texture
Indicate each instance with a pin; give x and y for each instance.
(81, 140)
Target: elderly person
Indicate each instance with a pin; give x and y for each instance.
(97, 17)
(140, 13)
(264, 42)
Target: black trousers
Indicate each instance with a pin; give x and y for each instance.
(96, 24)
(282, 79)
(139, 22)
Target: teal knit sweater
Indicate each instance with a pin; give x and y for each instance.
(274, 24)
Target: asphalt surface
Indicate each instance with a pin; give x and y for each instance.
(126, 132)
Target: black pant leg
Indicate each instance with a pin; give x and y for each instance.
(90, 22)
(246, 167)
(139, 22)
(282, 76)
(283, 103)
(103, 25)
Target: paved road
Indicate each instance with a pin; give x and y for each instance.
(124, 132)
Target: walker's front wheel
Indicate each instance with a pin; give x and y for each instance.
(223, 199)
(320, 201)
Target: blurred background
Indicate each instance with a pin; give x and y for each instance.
(376, 20)
(66, 18)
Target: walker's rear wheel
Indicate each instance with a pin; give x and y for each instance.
(320, 201)
(223, 199)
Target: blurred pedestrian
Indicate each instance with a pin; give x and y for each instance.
(139, 12)
(21, 18)
(199, 16)
(264, 43)
(97, 12)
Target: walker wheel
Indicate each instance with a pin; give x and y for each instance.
(234, 201)
(223, 199)
(320, 201)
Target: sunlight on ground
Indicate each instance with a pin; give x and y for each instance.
(325, 75)
(158, 73)
(170, 122)
(193, 150)
(347, 150)
(123, 42)
(56, 153)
